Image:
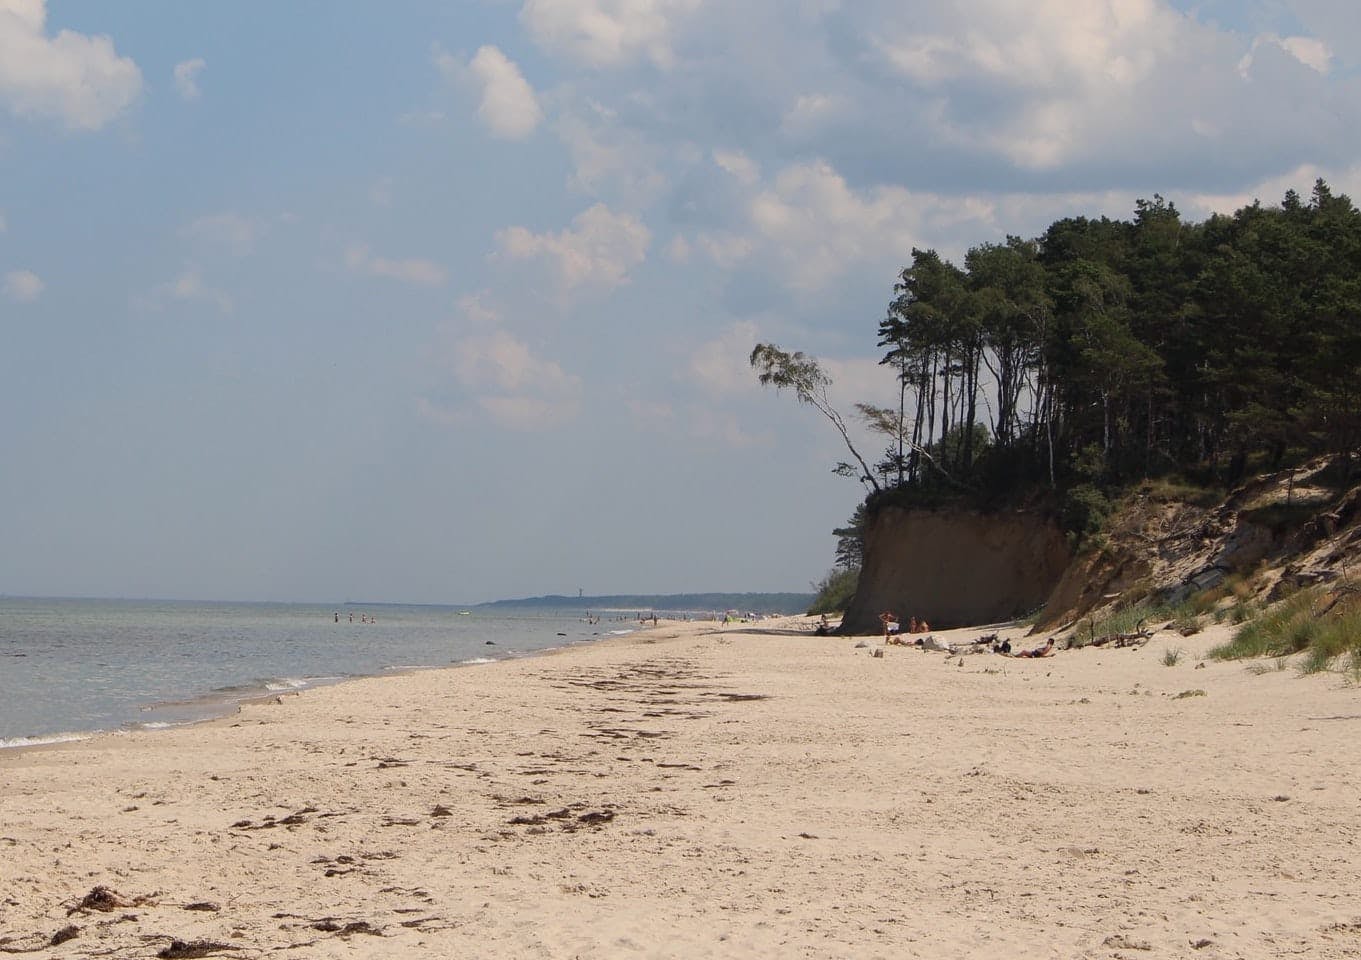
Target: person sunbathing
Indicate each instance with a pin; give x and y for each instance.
(1045, 651)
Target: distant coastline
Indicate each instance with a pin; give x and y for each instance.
(781, 603)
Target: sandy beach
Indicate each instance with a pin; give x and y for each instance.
(703, 790)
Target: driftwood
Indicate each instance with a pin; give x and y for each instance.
(1138, 638)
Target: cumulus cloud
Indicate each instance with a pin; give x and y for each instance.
(818, 226)
(598, 250)
(72, 77)
(808, 228)
(611, 160)
(509, 106)
(415, 271)
(1341, 179)
(186, 77)
(23, 286)
(1054, 64)
(608, 33)
(979, 93)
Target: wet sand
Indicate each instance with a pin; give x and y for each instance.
(700, 790)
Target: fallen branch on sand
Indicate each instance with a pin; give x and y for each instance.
(1137, 638)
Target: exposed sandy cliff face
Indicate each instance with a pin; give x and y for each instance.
(956, 567)
(1278, 532)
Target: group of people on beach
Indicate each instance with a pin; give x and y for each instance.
(893, 625)
(894, 635)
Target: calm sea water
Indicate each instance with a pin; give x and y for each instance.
(72, 667)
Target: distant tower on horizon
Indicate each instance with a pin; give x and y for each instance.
(580, 593)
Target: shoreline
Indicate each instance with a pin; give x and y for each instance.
(697, 789)
(153, 691)
(231, 707)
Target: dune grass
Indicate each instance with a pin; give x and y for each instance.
(1322, 625)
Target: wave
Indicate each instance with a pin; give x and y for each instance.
(287, 683)
(44, 740)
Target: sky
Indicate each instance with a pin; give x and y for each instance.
(451, 300)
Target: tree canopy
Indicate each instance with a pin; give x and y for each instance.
(1105, 351)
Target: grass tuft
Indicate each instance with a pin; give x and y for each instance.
(1324, 626)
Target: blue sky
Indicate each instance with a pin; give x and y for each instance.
(452, 301)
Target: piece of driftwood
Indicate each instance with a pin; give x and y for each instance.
(1137, 638)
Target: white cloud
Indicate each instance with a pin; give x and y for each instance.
(737, 163)
(189, 287)
(77, 78)
(720, 366)
(415, 271)
(810, 112)
(186, 77)
(1310, 51)
(607, 33)
(611, 160)
(818, 226)
(1271, 191)
(1048, 44)
(509, 106)
(726, 250)
(23, 286)
(598, 250)
(809, 228)
(1336, 20)
(1058, 63)
(513, 386)
(477, 312)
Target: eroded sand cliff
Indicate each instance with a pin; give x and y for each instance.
(956, 567)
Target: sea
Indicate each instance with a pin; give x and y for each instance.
(71, 668)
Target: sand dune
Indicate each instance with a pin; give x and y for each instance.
(698, 790)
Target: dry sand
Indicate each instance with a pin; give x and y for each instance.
(698, 791)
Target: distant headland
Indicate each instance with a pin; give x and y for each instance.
(784, 603)
(774, 603)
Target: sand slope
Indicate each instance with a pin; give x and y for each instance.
(704, 791)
